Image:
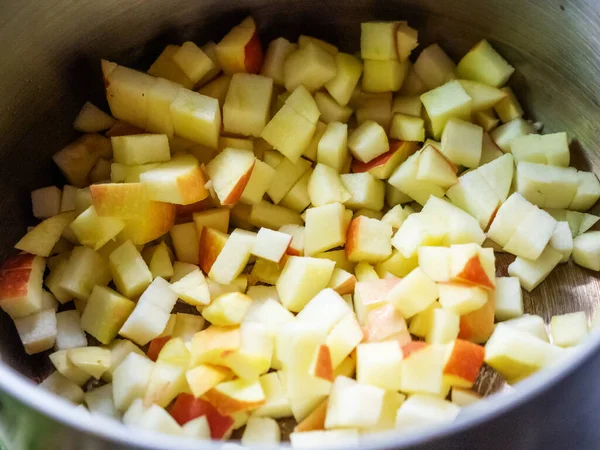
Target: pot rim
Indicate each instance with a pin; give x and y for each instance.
(24, 391)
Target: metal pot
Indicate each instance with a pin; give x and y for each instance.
(50, 67)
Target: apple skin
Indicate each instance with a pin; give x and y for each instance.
(253, 54)
(464, 363)
(315, 420)
(237, 191)
(211, 244)
(156, 346)
(323, 367)
(359, 166)
(187, 408)
(473, 273)
(413, 347)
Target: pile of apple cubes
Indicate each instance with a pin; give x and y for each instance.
(311, 316)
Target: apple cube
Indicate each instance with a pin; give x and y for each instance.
(246, 109)
(310, 152)
(408, 105)
(546, 186)
(42, 239)
(260, 180)
(508, 298)
(293, 285)
(261, 431)
(276, 404)
(196, 117)
(129, 270)
(46, 202)
(63, 387)
(217, 88)
(508, 108)
(67, 368)
(213, 344)
(416, 231)
(105, 313)
(297, 199)
(331, 111)
(434, 67)
(352, 404)
(165, 68)
(343, 339)
(464, 397)
(422, 370)
(586, 250)
(532, 272)
(384, 75)
(421, 410)
(83, 270)
(473, 194)
(368, 141)
(217, 219)
(192, 60)
(461, 142)
(568, 330)
(140, 149)
(461, 299)
(325, 186)
(562, 240)
(310, 66)
(436, 262)
(385, 323)
(366, 190)
(443, 326)
(321, 367)
(325, 228)
(234, 256)
(227, 309)
(287, 174)
(204, 377)
(332, 149)
(277, 51)
(445, 102)
(230, 172)
(550, 149)
(69, 332)
(342, 282)
(315, 420)
(152, 418)
(435, 168)
(516, 354)
(484, 97)
(94, 230)
(185, 241)
(395, 216)
(289, 132)
(405, 179)
(407, 128)
(37, 331)
(100, 401)
(368, 240)
(145, 219)
(588, 192)
(92, 360)
(211, 244)
(92, 119)
(67, 201)
(484, 64)
(406, 40)
(178, 181)
(463, 363)
(509, 217)
(240, 49)
(130, 380)
(230, 397)
(271, 245)
(160, 96)
(379, 364)
(151, 313)
(376, 108)
(506, 133)
(414, 293)
(348, 72)
(378, 40)
(473, 265)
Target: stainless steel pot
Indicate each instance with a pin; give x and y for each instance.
(50, 53)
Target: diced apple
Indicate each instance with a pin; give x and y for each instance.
(192, 60)
(233, 257)
(69, 333)
(588, 191)
(569, 330)
(562, 240)
(484, 64)
(353, 405)
(586, 250)
(277, 51)
(416, 231)
(550, 149)
(407, 128)
(105, 313)
(420, 411)
(141, 149)
(325, 228)
(227, 309)
(240, 49)
(164, 67)
(435, 168)
(484, 96)
(368, 240)
(434, 67)
(230, 172)
(63, 387)
(473, 194)
(261, 431)
(277, 404)
(42, 238)
(217, 88)
(246, 109)
(91, 119)
(129, 270)
(488, 120)
(444, 102)
(368, 141)
(287, 174)
(508, 108)
(473, 265)
(376, 108)
(37, 331)
(234, 396)
(46, 202)
(506, 133)
(196, 117)
(414, 293)
(379, 364)
(83, 270)
(92, 360)
(461, 299)
(325, 438)
(478, 325)
(405, 179)
(311, 66)
(546, 186)
(508, 298)
(258, 184)
(384, 75)
(422, 370)
(348, 73)
(436, 262)
(289, 132)
(532, 272)
(301, 279)
(331, 111)
(461, 142)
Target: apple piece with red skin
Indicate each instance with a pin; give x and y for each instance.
(413, 347)
(463, 364)
(321, 366)
(156, 346)
(210, 246)
(474, 265)
(478, 326)
(230, 172)
(382, 166)
(230, 397)
(21, 284)
(187, 408)
(315, 420)
(240, 50)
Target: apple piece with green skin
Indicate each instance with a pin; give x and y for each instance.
(240, 50)
(211, 244)
(145, 219)
(463, 364)
(368, 240)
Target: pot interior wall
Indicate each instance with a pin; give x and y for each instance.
(51, 53)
